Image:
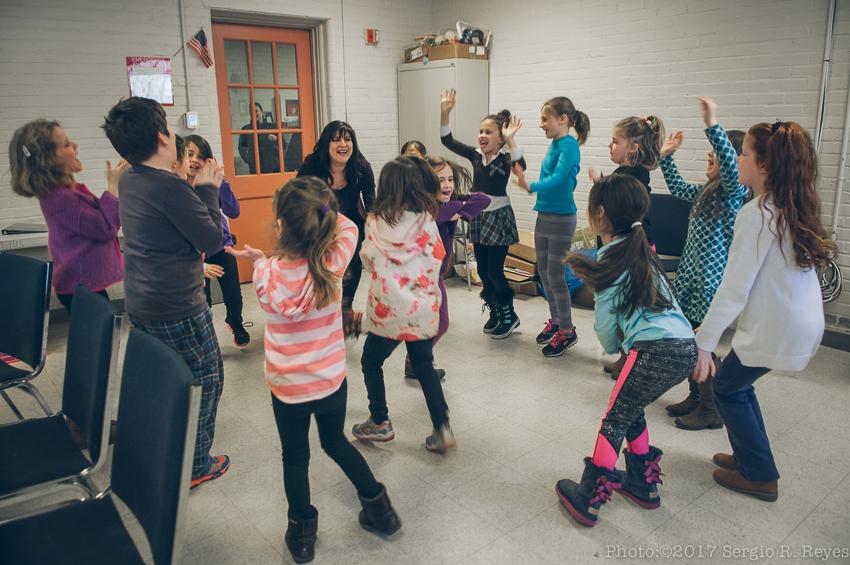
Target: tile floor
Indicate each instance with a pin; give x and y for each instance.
(522, 421)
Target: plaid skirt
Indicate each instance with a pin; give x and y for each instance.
(496, 228)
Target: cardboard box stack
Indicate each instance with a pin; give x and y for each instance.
(521, 266)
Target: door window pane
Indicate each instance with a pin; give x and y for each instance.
(240, 108)
(290, 109)
(287, 72)
(261, 63)
(236, 60)
(243, 154)
(265, 107)
(292, 153)
(269, 155)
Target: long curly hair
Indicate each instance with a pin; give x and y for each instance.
(36, 169)
(786, 151)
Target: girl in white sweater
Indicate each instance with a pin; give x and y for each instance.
(770, 282)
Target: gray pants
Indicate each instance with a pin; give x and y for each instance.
(553, 236)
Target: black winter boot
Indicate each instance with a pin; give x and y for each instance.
(301, 537)
(491, 323)
(642, 472)
(508, 320)
(584, 499)
(378, 514)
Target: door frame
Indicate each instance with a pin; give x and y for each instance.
(318, 49)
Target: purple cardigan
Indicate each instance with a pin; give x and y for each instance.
(468, 207)
(230, 206)
(82, 238)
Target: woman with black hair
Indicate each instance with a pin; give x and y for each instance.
(336, 159)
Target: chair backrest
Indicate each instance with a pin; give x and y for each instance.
(669, 216)
(91, 361)
(24, 306)
(155, 439)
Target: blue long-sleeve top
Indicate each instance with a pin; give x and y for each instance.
(643, 324)
(707, 245)
(558, 177)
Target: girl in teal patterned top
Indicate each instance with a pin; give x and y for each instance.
(710, 227)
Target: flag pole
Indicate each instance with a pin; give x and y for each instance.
(185, 62)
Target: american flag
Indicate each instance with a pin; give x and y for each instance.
(199, 44)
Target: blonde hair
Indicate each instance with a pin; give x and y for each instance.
(36, 169)
(648, 134)
(308, 211)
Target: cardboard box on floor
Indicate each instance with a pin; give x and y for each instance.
(522, 264)
(525, 248)
(522, 284)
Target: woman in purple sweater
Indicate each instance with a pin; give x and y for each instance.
(82, 228)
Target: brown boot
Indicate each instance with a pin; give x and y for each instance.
(689, 404)
(705, 416)
(725, 461)
(616, 366)
(767, 490)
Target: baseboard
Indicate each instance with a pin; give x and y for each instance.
(836, 340)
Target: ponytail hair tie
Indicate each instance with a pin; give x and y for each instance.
(775, 126)
(324, 210)
(646, 119)
(634, 225)
(26, 151)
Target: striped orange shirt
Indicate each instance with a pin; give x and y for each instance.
(305, 352)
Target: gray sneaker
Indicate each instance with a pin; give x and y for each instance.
(441, 440)
(370, 431)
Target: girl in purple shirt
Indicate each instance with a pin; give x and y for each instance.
(82, 228)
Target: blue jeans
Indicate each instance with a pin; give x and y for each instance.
(738, 407)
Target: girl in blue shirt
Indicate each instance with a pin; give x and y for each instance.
(556, 216)
(632, 292)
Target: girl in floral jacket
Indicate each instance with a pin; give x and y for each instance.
(402, 254)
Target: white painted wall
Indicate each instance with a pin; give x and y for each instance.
(760, 59)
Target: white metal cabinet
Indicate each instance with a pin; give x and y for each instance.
(419, 88)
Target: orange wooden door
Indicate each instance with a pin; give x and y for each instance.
(264, 82)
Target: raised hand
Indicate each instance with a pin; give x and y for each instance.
(709, 111)
(511, 127)
(112, 175)
(248, 253)
(594, 173)
(447, 102)
(210, 174)
(672, 144)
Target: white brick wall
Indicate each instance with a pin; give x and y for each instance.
(760, 59)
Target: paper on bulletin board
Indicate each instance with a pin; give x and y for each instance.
(150, 77)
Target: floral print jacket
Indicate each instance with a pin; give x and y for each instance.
(403, 264)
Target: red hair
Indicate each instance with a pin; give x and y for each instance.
(786, 151)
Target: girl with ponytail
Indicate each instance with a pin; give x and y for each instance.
(300, 292)
(633, 293)
(556, 216)
(771, 286)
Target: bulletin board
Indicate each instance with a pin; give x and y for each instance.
(150, 77)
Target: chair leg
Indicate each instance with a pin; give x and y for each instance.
(11, 405)
(32, 391)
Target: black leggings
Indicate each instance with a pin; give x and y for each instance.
(293, 425)
(491, 269)
(231, 291)
(352, 274)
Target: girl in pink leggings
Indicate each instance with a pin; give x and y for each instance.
(632, 292)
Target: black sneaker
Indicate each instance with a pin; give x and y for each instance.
(549, 331)
(241, 337)
(508, 322)
(560, 343)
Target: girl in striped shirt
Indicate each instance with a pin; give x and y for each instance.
(299, 291)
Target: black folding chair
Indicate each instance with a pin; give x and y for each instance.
(40, 455)
(669, 216)
(24, 310)
(151, 472)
